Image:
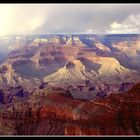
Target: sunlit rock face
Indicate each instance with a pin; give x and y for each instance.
(69, 61)
(73, 41)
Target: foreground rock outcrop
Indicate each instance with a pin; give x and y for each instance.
(57, 114)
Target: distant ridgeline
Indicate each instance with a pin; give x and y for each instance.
(110, 63)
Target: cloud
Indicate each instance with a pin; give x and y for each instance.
(21, 19)
(130, 25)
(85, 18)
(69, 18)
(115, 25)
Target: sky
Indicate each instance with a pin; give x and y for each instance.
(69, 18)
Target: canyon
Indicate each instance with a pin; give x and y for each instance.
(70, 85)
(58, 114)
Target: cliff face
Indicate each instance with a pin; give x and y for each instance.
(116, 115)
(70, 60)
(61, 115)
(71, 85)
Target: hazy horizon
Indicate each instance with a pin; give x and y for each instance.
(69, 34)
